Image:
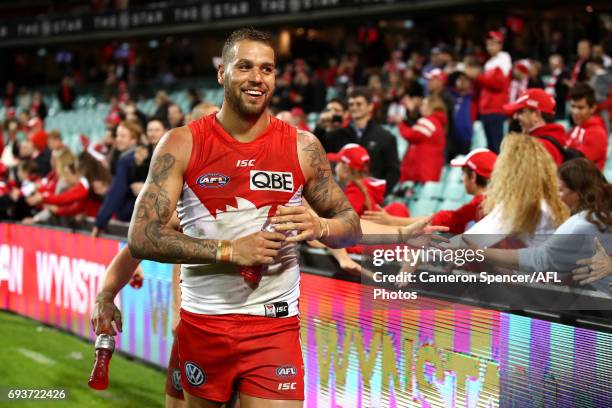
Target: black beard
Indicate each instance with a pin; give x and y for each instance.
(238, 106)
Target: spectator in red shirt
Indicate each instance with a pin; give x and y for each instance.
(70, 194)
(66, 94)
(424, 159)
(493, 84)
(353, 170)
(584, 51)
(589, 136)
(535, 111)
(477, 168)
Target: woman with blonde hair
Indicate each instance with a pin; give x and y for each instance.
(70, 193)
(522, 198)
(588, 195)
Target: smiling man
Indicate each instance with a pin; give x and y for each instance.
(380, 143)
(589, 136)
(238, 177)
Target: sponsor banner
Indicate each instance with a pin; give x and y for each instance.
(353, 355)
(443, 356)
(162, 16)
(52, 276)
(147, 315)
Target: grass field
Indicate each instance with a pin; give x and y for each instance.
(34, 357)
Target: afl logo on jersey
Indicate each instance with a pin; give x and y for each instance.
(213, 180)
(272, 180)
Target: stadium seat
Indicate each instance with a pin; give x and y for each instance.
(453, 191)
(423, 207)
(432, 190)
(450, 205)
(479, 139)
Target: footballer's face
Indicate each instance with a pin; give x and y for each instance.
(248, 78)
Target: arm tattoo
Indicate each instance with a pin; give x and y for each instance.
(328, 200)
(149, 236)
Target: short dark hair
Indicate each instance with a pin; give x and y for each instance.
(163, 122)
(480, 180)
(28, 167)
(340, 102)
(548, 117)
(583, 90)
(363, 91)
(244, 34)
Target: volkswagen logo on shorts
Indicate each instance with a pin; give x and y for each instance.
(194, 374)
(176, 380)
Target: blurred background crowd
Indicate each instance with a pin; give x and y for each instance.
(422, 93)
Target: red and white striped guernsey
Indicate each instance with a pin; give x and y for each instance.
(230, 190)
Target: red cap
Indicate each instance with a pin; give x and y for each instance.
(435, 73)
(481, 161)
(39, 140)
(496, 35)
(353, 155)
(523, 65)
(297, 111)
(533, 98)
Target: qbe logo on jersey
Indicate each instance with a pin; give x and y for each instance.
(272, 181)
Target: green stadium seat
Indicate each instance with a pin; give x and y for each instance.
(479, 139)
(450, 205)
(452, 175)
(423, 207)
(432, 190)
(453, 191)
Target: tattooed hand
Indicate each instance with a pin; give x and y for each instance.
(325, 196)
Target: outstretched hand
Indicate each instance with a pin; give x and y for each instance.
(307, 224)
(594, 268)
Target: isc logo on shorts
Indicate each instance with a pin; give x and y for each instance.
(278, 309)
(271, 180)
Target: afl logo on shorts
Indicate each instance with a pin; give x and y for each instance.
(212, 180)
(286, 371)
(194, 374)
(272, 181)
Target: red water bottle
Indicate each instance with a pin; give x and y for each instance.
(136, 281)
(105, 346)
(251, 274)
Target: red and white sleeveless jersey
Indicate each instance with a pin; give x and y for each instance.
(230, 190)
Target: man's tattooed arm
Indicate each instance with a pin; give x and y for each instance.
(325, 196)
(149, 236)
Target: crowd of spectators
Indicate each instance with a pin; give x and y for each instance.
(432, 101)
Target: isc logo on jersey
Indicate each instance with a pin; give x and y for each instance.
(271, 180)
(212, 180)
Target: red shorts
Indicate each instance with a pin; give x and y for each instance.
(173, 376)
(259, 356)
